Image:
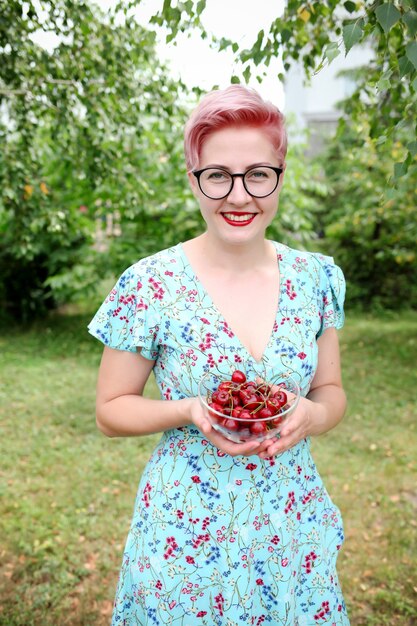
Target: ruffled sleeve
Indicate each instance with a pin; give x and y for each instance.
(331, 293)
(128, 319)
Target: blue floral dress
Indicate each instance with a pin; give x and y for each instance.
(219, 540)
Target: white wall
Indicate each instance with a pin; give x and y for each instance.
(318, 99)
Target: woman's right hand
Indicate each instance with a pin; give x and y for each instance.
(225, 445)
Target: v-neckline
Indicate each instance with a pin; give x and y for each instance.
(222, 317)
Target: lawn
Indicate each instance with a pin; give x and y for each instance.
(67, 492)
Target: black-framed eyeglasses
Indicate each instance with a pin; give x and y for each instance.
(259, 182)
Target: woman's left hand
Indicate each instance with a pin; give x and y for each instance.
(296, 427)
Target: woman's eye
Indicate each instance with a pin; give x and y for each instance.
(217, 176)
(259, 174)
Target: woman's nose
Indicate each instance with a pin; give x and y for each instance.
(238, 193)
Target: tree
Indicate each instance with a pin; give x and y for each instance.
(76, 123)
(367, 211)
(371, 230)
(314, 33)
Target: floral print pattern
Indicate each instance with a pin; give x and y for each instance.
(214, 539)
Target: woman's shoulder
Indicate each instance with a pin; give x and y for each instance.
(304, 257)
(156, 262)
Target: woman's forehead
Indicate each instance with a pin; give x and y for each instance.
(233, 145)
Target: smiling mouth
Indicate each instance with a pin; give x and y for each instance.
(239, 219)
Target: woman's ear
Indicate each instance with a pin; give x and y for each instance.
(193, 183)
(281, 176)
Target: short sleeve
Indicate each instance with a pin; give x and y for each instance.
(127, 319)
(332, 290)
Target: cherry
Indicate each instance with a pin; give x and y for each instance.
(249, 386)
(231, 424)
(238, 377)
(264, 389)
(216, 407)
(258, 428)
(265, 412)
(273, 405)
(281, 397)
(244, 404)
(253, 403)
(223, 398)
(245, 396)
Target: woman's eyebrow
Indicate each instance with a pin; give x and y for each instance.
(228, 169)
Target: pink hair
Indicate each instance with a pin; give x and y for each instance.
(234, 106)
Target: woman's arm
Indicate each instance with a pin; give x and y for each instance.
(326, 391)
(122, 411)
(325, 404)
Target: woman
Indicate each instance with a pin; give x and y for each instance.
(226, 533)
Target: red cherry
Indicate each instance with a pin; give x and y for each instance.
(281, 397)
(258, 428)
(225, 385)
(253, 403)
(231, 424)
(273, 405)
(216, 407)
(222, 397)
(277, 421)
(249, 386)
(264, 389)
(238, 377)
(236, 412)
(235, 401)
(244, 396)
(265, 412)
(246, 416)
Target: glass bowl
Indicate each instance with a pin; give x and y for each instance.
(246, 409)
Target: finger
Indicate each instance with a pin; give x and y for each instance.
(204, 425)
(279, 446)
(234, 449)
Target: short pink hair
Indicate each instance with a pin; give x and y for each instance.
(234, 106)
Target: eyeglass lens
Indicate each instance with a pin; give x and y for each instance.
(259, 182)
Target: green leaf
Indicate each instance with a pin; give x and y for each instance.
(247, 74)
(350, 6)
(405, 66)
(412, 147)
(410, 20)
(384, 82)
(331, 51)
(235, 80)
(285, 35)
(352, 34)
(411, 52)
(400, 169)
(414, 84)
(201, 5)
(387, 15)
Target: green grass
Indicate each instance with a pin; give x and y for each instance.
(67, 492)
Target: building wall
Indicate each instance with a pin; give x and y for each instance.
(313, 106)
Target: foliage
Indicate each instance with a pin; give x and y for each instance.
(92, 133)
(75, 127)
(303, 192)
(67, 492)
(371, 165)
(370, 229)
(313, 33)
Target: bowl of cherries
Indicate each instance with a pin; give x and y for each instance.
(242, 409)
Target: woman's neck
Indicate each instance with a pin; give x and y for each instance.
(239, 257)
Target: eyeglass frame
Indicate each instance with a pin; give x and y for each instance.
(197, 173)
